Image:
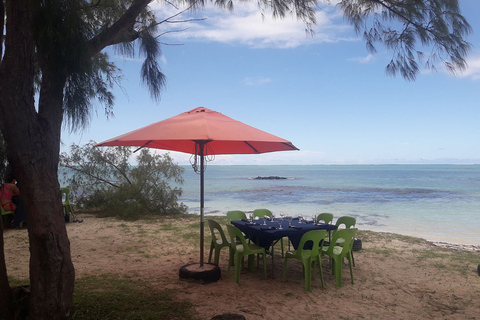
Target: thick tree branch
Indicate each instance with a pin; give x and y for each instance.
(122, 29)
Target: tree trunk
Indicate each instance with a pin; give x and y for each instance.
(51, 270)
(15, 76)
(33, 140)
(6, 302)
(49, 244)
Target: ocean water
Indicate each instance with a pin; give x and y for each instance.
(434, 202)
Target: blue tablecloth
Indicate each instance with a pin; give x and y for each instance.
(266, 235)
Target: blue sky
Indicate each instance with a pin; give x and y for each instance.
(326, 94)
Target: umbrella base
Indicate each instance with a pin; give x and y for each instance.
(207, 274)
(357, 244)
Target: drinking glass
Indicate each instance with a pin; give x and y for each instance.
(314, 218)
(264, 220)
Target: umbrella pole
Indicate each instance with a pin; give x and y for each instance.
(202, 145)
(193, 271)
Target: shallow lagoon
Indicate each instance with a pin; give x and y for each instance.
(435, 202)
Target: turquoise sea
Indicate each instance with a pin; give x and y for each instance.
(435, 202)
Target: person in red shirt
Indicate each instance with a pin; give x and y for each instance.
(7, 192)
(10, 201)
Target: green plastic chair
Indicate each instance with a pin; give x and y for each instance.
(339, 250)
(347, 222)
(307, 256)
(236, 215)
(218, 242)
(4, 212)
(260, 213)
(5, 216)
(325, 217)
(243, 249)
(67, 208)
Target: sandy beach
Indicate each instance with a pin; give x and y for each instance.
(396, 277)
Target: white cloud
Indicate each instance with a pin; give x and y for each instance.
(247, 26)
(367, 59)
(473, 68)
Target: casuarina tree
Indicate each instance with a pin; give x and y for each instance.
(54, 69)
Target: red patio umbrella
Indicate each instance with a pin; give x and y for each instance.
(202, 132)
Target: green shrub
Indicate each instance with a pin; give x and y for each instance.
(103, 178)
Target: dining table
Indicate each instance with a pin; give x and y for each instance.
(266, 233)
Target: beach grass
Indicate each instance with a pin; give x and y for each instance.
(114, 296)
(111, 296)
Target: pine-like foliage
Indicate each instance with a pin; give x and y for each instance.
(407, 26)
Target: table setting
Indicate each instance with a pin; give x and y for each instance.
(267, 230)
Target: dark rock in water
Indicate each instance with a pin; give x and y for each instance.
(270, 178)
(229, 316)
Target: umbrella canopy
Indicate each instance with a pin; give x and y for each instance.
(202, 132)
(223, 134)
